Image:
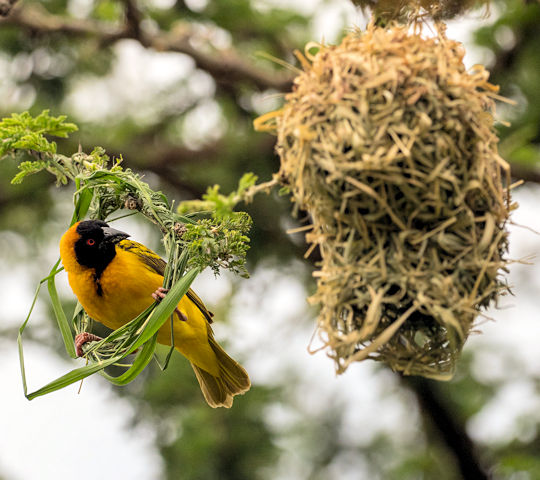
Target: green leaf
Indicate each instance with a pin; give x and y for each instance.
(21, 131)
(28, 168)
(248, 180)
(61, 318)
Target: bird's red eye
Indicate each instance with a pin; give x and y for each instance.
(90, 242)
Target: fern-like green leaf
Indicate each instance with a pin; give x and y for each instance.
(28, 168)
(21, 131)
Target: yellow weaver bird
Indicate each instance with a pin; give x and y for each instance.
(116, 279)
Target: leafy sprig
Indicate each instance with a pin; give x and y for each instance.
(24, 133)
(213, 234)
(220, 246)
(223, 236)
(21, 131)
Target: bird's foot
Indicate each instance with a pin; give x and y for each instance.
(83, 338)
(159, 295)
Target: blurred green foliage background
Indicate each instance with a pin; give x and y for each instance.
(173, 87)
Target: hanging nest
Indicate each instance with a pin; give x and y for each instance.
(436, 9)
(388, 142)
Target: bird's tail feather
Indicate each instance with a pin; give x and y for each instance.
(233, 379)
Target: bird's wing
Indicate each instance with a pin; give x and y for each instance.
(200, 305)
(149, 258)
(153, 261)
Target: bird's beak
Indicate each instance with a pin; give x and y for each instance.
(113, 235)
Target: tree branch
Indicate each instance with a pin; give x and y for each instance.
(37, 19)
(451, 431)
(224, 66)
(526, 173)
(133, 21)
(505, 58)
(6, 6)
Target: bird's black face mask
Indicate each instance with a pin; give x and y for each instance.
(95, 247)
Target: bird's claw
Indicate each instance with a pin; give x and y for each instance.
(83, 338)
(159, 295)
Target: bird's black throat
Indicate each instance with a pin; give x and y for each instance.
(94, 250)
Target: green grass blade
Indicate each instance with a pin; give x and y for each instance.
(77, 374)
(110, 220)
(72, 377)
(166, 361)
(168, 358)
(61, 318)
(182, 263)
(169, 353)
(21, 361)
(82, 204)
(120, 331)
(19, 339)
(166, 307)
(139, 364)
(54, 271)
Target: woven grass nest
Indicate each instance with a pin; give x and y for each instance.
(436, 9)
(388, 142)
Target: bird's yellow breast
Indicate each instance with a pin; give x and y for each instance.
(120, 293)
